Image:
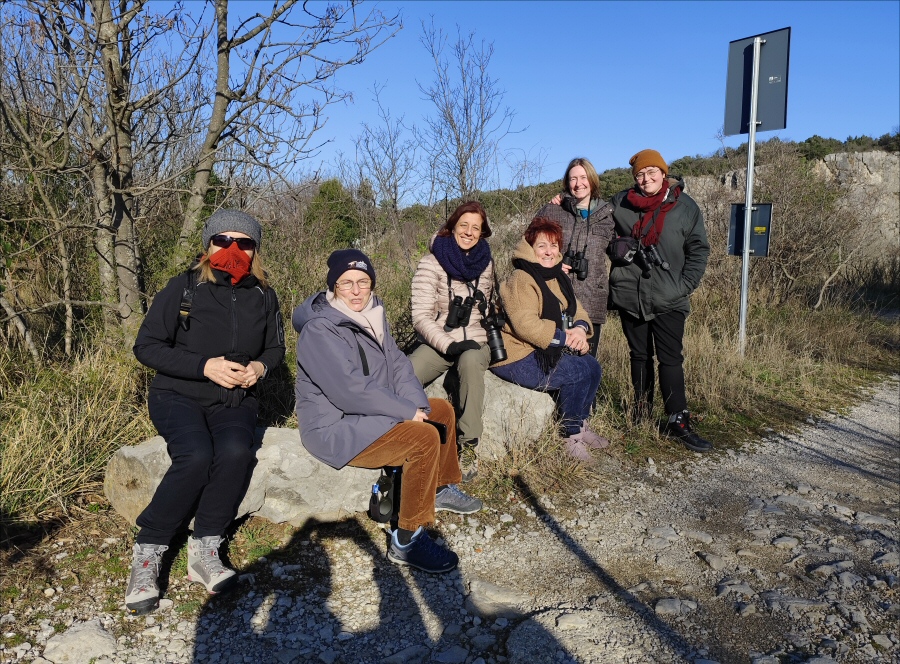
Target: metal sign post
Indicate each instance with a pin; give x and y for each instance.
(765, 108)
(748, 199)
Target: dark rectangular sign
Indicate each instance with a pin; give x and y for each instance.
(771, 106)
(760, 230)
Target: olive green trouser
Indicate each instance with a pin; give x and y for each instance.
(470, 366)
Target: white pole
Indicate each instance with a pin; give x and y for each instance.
(748, 196)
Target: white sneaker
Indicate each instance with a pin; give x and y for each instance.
(205, 566)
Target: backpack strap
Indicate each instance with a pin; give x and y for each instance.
(187, 299)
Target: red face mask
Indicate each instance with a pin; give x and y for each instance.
(232, 260)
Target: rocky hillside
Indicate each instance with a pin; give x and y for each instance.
(872, 181)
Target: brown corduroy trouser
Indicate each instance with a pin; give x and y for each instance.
(416, 446)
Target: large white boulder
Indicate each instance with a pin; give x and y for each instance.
(513, 415)
(287, 483)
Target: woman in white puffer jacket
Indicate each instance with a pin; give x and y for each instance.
(458, 269)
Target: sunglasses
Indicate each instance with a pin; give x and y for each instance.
(225, 241)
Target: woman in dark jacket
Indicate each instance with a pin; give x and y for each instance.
(359, 403)
(211, 334)
(652, 293)
(459, 265)
(587, 227)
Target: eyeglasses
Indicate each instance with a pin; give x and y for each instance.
(225, 241)
(362, 284)
(649, 173)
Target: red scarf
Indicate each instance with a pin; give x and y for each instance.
(232, 260)
(653, 204)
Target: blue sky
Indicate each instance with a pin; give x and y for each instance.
(606, 79)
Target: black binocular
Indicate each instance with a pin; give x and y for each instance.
(647, 258)
(577, 263)
(458, 313)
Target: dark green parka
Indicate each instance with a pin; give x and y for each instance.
(683, 244)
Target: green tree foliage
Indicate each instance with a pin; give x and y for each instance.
(333, 210)
(816, 147)
(615, 180)
(890, 142)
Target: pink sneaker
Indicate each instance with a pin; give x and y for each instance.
(591, 438)
(576, 448)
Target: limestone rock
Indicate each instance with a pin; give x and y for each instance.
(80, 644)
(489, 600)
(512, 415)
(287, 484)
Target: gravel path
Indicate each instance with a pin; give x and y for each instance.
(785, 552)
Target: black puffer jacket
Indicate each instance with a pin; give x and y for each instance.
(683, 244)
(595, 232)
(223, 319)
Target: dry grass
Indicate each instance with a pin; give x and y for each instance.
(61, 423)
(60, 426)
(798, 362)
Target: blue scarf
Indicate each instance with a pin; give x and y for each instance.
(458, 265)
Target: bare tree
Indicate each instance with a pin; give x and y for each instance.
(387, 157)
(105, 105)
(272, 103)
(463, 137)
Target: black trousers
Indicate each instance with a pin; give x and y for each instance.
(211, 463)
(662, 335)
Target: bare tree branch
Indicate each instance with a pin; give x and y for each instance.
(463, 136)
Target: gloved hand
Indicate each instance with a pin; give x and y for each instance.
(460, 347)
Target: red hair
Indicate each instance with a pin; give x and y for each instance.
(546, 226)
(472, 206)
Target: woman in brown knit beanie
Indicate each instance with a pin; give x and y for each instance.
(652, 293)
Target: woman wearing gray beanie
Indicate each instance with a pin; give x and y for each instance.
(211, 335)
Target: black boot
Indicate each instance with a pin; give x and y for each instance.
(679, 426)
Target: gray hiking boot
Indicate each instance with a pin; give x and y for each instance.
(205, 566)
(142, 594)
(451, 499)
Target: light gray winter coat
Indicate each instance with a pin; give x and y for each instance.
(350, 390)
(431, 301)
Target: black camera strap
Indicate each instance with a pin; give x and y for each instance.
(489, 303)
(587, 229)
(472, 286)
(647, 227)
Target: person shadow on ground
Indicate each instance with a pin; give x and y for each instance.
(330, 595)
(291, 606)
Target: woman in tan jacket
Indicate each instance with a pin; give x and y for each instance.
(451, 286)
(546, 335)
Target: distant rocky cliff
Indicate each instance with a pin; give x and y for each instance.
(871, 181)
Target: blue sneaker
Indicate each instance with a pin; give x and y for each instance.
(422, 553)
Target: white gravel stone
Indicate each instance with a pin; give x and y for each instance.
(698, 535)
(891, 559)
(785, 542)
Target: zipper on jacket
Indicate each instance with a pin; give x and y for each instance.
(233, 320)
